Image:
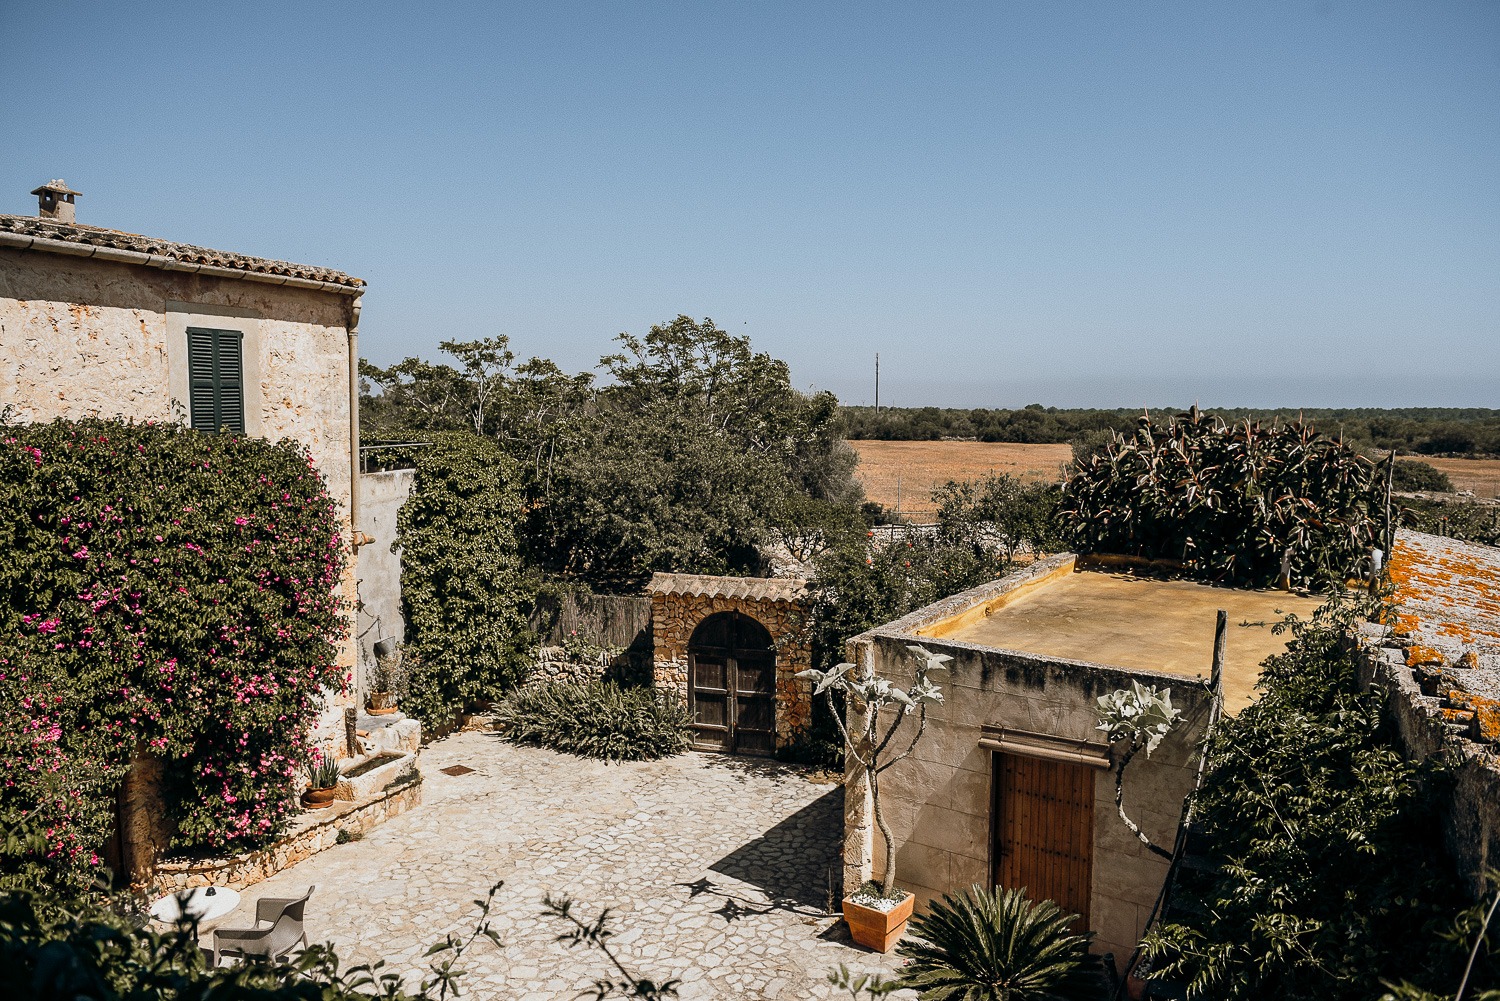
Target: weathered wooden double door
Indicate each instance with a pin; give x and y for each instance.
(1044, 830)
(732, 685)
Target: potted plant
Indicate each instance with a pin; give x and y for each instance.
(322, 777)
(386, 679)
(877, 913)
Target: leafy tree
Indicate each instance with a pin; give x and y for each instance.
(693, 452)
(1000, 510)
(1410, 474)
(1229, 502)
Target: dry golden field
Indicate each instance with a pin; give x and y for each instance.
(916, 468)
(1479, 475)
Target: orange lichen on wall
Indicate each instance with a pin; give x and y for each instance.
(1417, 655)
(1446, 591)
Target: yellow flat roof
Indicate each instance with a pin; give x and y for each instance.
(1135, 622)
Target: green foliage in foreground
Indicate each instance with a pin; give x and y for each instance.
(599, 720)
(98, 948)
(88, 948)
(988, 944)
(1332, 875)
(462, 588)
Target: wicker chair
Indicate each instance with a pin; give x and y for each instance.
(285, 931)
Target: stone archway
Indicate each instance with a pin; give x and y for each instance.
(732, 685)
(681, 603)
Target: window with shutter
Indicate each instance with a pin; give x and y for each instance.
(216, 389)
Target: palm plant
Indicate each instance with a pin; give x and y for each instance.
(997, 945)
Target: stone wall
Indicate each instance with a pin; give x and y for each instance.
(313, 832)
(83, 337)
(380, 498)
(1433, 717)
(555, 666)
(675, 616)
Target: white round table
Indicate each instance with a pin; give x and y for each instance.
(205, 903)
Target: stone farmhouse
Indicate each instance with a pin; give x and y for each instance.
(99, 323)
(95, 322)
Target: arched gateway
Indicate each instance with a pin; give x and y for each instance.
(730, 648)
(732, 685)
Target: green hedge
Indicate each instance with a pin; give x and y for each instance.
(462, 587)
(600, 720)
(168, 592)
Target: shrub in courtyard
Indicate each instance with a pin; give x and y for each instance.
(599, 720)
(163, 592)
(462, 587)
(1228, 501)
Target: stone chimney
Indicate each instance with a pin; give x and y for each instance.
(55, 201)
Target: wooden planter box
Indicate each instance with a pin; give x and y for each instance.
(875, 929)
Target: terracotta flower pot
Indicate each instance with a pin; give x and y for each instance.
(876, 929)
(381, 704)
(317, 799)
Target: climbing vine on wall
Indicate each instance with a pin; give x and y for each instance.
(163, 592)
(462, 586)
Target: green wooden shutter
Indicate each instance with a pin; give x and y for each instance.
(231, 391)
(216, 382)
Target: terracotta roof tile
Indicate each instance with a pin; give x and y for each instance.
(705, 586)
(97, 236)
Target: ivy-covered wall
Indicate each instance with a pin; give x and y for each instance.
(167, 594)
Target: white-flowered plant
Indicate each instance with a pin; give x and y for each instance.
(871, 696)
(1141, 714)
(1136, 718)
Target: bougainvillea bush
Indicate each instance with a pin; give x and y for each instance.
(1228, 501)
(162, 592)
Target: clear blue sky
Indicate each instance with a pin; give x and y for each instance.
(1075, 204)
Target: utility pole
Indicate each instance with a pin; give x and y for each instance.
(877, 382)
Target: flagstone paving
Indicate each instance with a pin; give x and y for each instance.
(716, 871)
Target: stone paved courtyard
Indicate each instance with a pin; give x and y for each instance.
(716, 869)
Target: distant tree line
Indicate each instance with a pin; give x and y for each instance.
(1419, 430)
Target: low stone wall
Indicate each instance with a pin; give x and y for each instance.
(554, 666)
(1432, 716)
(312, 832)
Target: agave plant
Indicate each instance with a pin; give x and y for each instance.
(322, 772)
(997, 945)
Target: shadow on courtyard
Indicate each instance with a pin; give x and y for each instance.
(794, 864)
